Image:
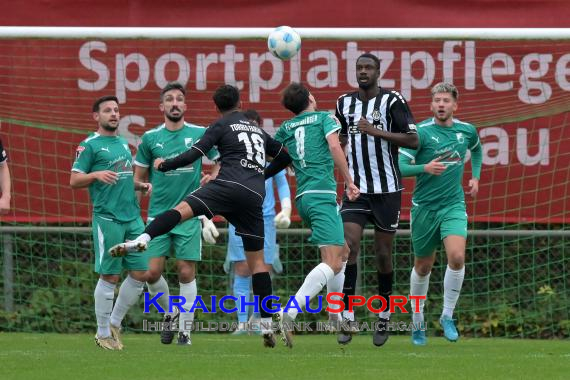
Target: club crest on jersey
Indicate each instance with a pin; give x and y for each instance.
(376, 115)
(78, 151)
(460, 138)
(188, 141)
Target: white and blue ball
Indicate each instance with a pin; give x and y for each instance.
(284, 42)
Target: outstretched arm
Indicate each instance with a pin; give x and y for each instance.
(183, 159)
(280, 162)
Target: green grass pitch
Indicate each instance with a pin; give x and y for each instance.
(215, 356)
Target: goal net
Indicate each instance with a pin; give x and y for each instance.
(515, 90)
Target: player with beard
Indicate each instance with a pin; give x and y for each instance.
(170, 139)
(104, 164)
(375, 122)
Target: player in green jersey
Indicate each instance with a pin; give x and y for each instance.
(312, 140)
(438, 204)
(168, 140)
(103, 164)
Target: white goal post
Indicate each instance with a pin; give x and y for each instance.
(310, 33)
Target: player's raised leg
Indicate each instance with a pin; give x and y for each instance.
(162, 224)
(335, 285)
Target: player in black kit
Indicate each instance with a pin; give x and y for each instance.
(237, 192)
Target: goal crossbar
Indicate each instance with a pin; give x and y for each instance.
(306, 33)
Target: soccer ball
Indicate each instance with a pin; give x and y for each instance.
(284, 42)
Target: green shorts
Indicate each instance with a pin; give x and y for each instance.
(321, 213)
(185, 240)
(107, 233)
(430, 227)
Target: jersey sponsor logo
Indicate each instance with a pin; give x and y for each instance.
(77, 151)
(378, 125)
(436, 139)
(449, 157)
(248, 165)
(188, 142)
(159, 145)
(105, 149)
(353, 129)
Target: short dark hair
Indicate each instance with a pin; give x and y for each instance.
(172, 86)
(252, 114)
(372, 57)
(295, 98)
(226, 97)
(103, 99)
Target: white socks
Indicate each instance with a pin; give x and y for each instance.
(104, 295)
(452, 283)
(314, 283)
(189, 292)
(418, 287)
(161, 286)
(335, 285)
(129, 294)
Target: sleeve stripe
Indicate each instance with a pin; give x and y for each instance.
(138, 163)
(407, 154)
(198, 149)
(280, 149)
(474, 146)
(333, 131)
(78, 170)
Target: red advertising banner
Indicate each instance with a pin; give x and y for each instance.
(516, 92)
(297, 13)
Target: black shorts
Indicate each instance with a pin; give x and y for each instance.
(382, 210)
(239, 205)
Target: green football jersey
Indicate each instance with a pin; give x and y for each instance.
(451, 144)
(97, 153)
(305, 136)
(169, 188)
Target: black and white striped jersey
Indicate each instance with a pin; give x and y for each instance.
(373, 161)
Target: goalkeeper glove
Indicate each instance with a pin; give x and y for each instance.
(209, 231)
(283, 219)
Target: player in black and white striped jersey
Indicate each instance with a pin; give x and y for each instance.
(375, 122)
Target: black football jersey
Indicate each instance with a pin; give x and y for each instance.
(243, 148)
